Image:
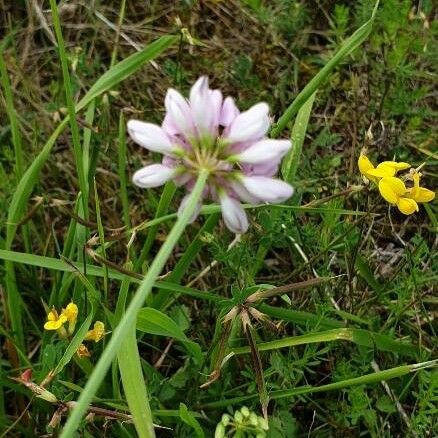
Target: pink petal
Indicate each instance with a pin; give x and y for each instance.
(228, 112)
(168, 126)
(264, 169)
(264, 151)
(183, 204)
(150, 136)
(250, 125)
(234, 215)
(178, 111)
(153, 176)
(267, 189)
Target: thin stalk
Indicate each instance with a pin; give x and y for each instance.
(83, 185)
(130, 316)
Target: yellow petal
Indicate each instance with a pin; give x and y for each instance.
(391, 189)
(364, 164)
(71, 312)
(407, 205)
(51, 316)
(382, 171)
(396, 165)
(97, 333)
(421, 194)
(53, 325)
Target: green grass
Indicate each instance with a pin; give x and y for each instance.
(351, 356)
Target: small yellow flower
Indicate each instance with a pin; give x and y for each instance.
(394, 191)
(71, 313)
(83, 351)
(417, 193)
(54, 321)
(97, 333)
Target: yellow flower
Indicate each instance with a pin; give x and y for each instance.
(417, 193)
(394, 191)
(384, 169)
(83, 351)
(71, 313)
(97, 333)
(54, 321)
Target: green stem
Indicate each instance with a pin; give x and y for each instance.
(130, 316)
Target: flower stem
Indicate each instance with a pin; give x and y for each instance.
(129, 318)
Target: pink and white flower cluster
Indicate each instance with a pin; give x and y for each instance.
(209, 132)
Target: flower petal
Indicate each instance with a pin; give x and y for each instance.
(407, 205)
(203, 110)
(234, 215)
(150, 136)
(228, 112)
(391, 188)
(396, 165)
(183, 204)
(381, 171)
(178, 112)
(154, 175)
(267, 189)
(250, 125)
(364, 164)
(265, 151)
(421, 194)
(243, 194)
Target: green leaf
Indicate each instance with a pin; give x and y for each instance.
(134, 385)
(291, 161)
(189, 419)
(154, 322)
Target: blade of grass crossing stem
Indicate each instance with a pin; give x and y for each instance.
(380, 376)
(128, 319)
(134, 385)
(289, 168)
(30, 177)
(349, 45)
(122, 171)
(122, 298)
(162, 299)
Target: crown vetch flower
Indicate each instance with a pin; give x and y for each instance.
(209, 132)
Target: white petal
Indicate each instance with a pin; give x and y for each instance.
(229, 112)
(178, 112)
(267, 189)
(252, 124)
(243, 194)
(153, 176)
(234, 215)
(150, 136)
(183, 204)
(216, 104)
(264, 151)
